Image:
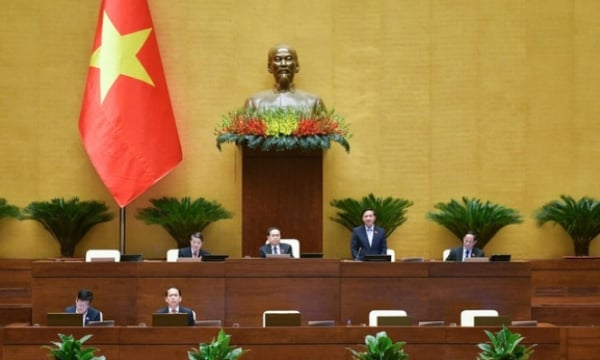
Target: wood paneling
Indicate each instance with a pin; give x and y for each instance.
(282, 189)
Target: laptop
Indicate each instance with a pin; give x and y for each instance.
(500, 257)
(477, 259)
(101, 323)
(491, 321)
(132, 257)
(379, 258)
(394, 321)
(179, 319)
(278, 256)
(316, 255)
(281, 318)
(214, 257)
(64, 319)
(209, 323)
(188, 259)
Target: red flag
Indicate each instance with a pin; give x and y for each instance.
(126, 122)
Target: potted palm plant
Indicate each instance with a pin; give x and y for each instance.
(579, 218)
(180, 218)
(380, 347)
(391, 212)
(67, 220)
(72, 349)
(484, 218)
(504, 345)
(7, 210)
(218, 349)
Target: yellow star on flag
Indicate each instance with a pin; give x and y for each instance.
(117, 55)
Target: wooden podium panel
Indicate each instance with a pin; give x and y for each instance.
(256, 285)
(282, 189)
(423, 343)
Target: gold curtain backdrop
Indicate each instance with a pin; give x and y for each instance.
(490, 99)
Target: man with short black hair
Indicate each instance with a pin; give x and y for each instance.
(195, 249)
(468, 250)
(82, 306)
(173, 299)
(368, 239)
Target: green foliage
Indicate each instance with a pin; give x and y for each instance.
(181, 218)
(579, 218)
(71, 349)
(7, 210)
(218, 349)
(486, 219)
(390, 212)
(380, 347)
(67, 220)
(504, 345)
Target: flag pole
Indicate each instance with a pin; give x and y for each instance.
(122, 229)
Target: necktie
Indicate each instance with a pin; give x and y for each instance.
(195, 254)
(173, 311)
(370, 235)
(467, 254)
(276, 249)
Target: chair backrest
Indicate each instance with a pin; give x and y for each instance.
(467, 317)
(375, 314)
(295, 244)
(445, 254)
(101, 315)
(392, 253)
(172, 255)
(102, 255)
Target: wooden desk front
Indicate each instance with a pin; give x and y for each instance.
(423, 343)
(239, 290)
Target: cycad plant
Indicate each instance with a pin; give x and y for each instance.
(390, 212)
(380, 347)
(484, 218)
(72, 349)
(504, 345)
(7, 210)
(180, 218)
(67, 220)
(579, 218)
(218, 349)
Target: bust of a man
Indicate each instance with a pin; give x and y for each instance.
(283, 64)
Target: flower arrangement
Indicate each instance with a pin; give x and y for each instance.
(283, 129)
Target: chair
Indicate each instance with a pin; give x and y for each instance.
(102, 255)
(445, 254)
(295, 244)
(375, 314)
(467, 317)
(392, 253)
(172, 255)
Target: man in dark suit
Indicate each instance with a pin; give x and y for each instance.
(82, 306)
(173, 299)
(468, 249)
(274, 246)
(195, 249)
(368, 239)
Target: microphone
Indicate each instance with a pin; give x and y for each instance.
(357, 258)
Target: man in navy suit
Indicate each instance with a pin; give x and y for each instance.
(368, 239)
(468, 249)
(82, 306)
(173, 299)
(195, 249)
(274, 246)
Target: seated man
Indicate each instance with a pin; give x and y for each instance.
(195, 249)
(82, 306)
(468, 249)
(282, 62)
(274, 246)
(173, 299)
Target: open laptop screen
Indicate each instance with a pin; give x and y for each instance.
(64, 319)
(180, 319)
(383, 258)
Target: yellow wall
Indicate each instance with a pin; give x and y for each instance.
(489, 99)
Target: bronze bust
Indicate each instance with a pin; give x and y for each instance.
(283, 64)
